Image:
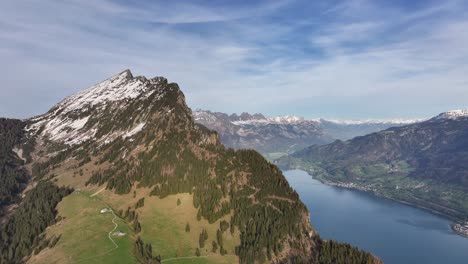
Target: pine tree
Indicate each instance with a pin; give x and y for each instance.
(215, 247)
(202, 238)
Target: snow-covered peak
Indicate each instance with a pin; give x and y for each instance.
(210, 117)
(287, 119)
(119, 87)
(291, 119)
(202, 117)
(67, 122)
(453, 114)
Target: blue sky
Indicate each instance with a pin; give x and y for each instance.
(337, 59)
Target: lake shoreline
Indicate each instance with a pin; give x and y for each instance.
(457, 226)
(396, 232)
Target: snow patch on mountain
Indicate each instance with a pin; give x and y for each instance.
(66, 129)
(66, 121)
(287, 119)
(117, 88)
(203, 116)
(19, 153)
(80, 123)
(135, 130)
(453, 114)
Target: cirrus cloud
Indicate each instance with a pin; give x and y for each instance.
(353, 59)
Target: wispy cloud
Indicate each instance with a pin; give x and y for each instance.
(355, 59)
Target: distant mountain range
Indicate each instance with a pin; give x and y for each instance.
(425, 163)
(276, 136)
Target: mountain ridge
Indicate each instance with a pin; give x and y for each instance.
(261, 118)
(453, 114)
(422, 164)
(276, 136)
(148, 143)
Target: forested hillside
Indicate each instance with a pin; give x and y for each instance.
(130, 145)
(425, 164)
(21, 234)
(13, 177)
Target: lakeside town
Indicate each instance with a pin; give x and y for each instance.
(461, 228)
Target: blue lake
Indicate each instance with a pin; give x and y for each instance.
(396, 233)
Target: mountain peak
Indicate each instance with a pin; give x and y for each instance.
(81, 116)
(119, 87)
(287, 119)
(453, 114)
(125, 74)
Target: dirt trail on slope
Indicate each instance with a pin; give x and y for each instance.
(115, 227)
(109, 234)
(96, 193)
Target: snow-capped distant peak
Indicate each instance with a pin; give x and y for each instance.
(453, 114)
(207, 116)
(287, 119)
